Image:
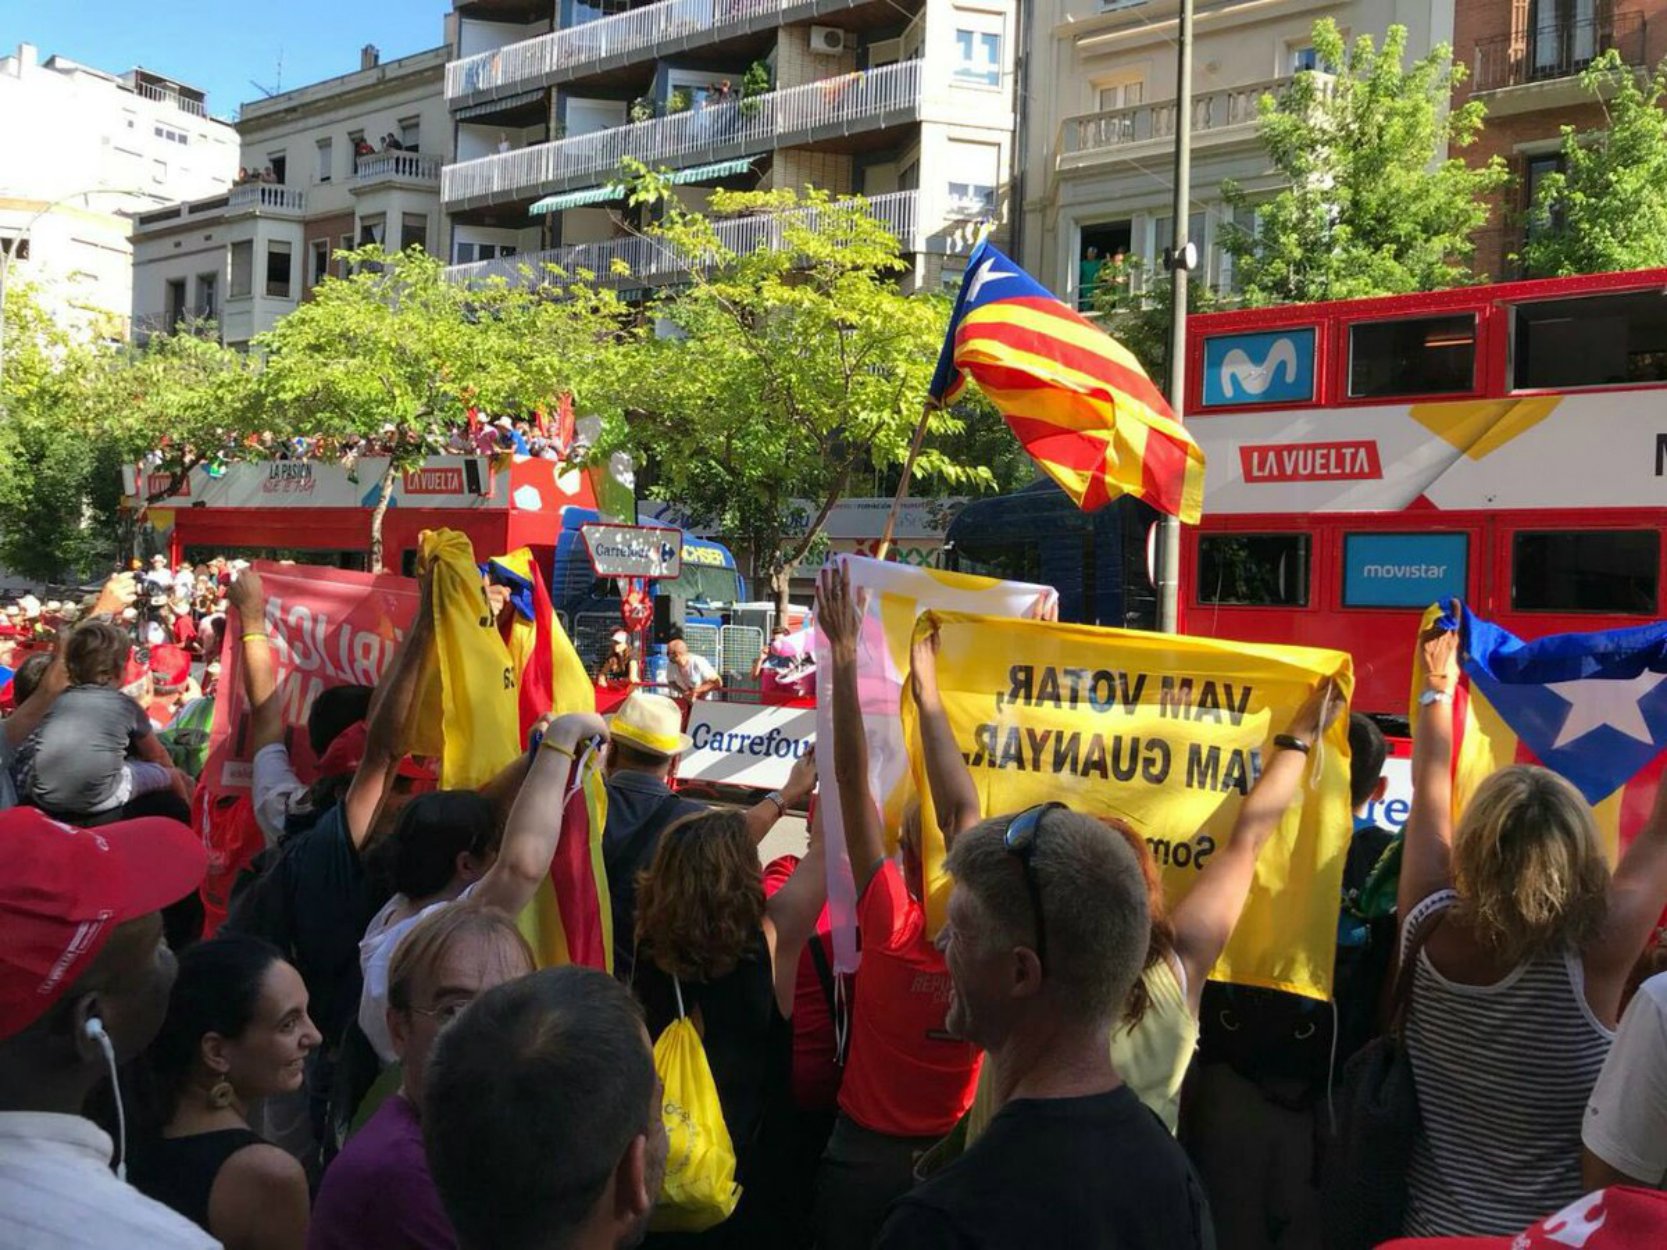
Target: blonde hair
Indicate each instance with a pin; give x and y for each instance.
(1528, 865)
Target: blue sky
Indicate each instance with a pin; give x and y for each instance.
(220, 47)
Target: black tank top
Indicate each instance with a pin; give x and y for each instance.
(179, 1172)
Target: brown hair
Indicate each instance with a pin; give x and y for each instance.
(1163, 928)
(96, 653)
(701, 899)
(1528, 865)
(425, 944)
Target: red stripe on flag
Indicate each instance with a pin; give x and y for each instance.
(1113, 376)
(1163, 472)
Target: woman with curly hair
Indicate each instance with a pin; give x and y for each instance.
(710, 944)
(1523, 940)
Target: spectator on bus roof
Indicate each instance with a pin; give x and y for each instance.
(160, 579)
(690, 675)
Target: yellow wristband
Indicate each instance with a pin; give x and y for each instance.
(550, 744)
(255, 633)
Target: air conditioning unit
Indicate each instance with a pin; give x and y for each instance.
(827, 40)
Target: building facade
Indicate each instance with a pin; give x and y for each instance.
(321, 176)
(81, 151)
(1098, 173)
(1525, 59)
(908, 103)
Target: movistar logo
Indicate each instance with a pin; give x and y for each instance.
(1250, 379)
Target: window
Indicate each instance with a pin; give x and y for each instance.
(979, 58)
(355, 140)
(159, 171)
(1534, 171)
(326, 157)
(372, 230)
(1416, 356)
(1586, 571)
(243, 269)
(321, 260)
(970, 200)
(169, 135)
(908, 178)
(14, 247)
(1121, 95)
(1163, 237)
(343, 269)
(1404, 570)
(1253, 570)
(1598, 340)
(413, 231)
(410, 132)
(1562, 36)
(976, 167)
(279, 162)
(1102, 245)
(277, 270)
(208, 295)
(1302, 58)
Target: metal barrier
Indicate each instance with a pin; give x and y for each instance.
(592, 636)
(739, 646)
(702, 640)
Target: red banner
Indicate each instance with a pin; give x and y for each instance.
(329, 627)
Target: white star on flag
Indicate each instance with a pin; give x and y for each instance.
(1598, 701)
(987, 272)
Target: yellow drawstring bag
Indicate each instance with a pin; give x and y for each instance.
(699, 1191)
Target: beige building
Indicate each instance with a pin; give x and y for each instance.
(909, 103)
(1098, 175)
(322, 176)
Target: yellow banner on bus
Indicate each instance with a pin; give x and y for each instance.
(1166, 733)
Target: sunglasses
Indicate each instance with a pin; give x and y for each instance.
(1019, 840)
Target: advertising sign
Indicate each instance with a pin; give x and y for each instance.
(1403, 570)
(633, 550)
(744, 744)
(1276, 367)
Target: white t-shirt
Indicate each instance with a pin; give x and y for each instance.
(376, 952)
(277, 791)
(1626, 1119)
(691, 673)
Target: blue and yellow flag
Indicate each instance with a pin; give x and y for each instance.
(1590, 707)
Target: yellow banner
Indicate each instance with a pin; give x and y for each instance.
(1167, 733)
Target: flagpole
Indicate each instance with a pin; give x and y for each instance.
(1180, 261)
(926, 412)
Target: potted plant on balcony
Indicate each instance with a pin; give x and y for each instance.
(754, 83)
(679, 101)
(642, 109)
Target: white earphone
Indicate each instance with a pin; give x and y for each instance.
(94, 1032)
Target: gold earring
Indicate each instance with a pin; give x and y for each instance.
(220, 1094)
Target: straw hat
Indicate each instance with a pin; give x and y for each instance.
(650, 723)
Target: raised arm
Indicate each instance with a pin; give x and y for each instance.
(29, 714)
(761, 817)
(390, 711)
(1426, 856)
(840, 621)
(1637, 893)
(1204, 920)
(260, 674)
(533, 830)
(954, 796)
(791, 912)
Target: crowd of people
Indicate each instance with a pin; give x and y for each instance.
(363, 1053)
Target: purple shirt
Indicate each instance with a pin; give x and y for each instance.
(377, 1194)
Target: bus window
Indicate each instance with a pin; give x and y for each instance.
(1596, 340)
(1414, 356)
(1253, 570)
(1403, 570)
(1586, 571)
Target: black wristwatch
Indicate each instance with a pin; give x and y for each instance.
(1291, 742)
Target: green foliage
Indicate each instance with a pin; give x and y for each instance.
(679, 101)
(1368, 209)
(755, 82)
(1137, 305)
(1606, 210)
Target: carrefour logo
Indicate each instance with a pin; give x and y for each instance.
(1275, 367)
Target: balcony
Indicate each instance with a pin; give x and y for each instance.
(1218, 117)
(1538, 61)
(197, 320)
(150, 91)
(833, 108)
(644, 34)
(649, 261)
(408, 168)
(266, 197)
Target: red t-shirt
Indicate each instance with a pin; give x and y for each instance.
(903, 1076)
(816, 1071)
(185, 630)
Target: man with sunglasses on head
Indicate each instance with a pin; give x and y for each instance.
(1047, 931)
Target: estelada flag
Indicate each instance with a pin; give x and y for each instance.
(553, 677)
(1590, 707)
(1075, 397)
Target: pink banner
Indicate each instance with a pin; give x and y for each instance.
(329, 627)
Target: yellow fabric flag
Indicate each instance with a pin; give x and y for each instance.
(467, 713)
(1168, 734)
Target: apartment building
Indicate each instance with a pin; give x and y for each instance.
(1525, 58)
(1098, 174)
(908, 103)
(81, 151)
(341, 163)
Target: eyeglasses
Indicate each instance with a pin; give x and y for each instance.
(1019, 839)
(446, 1012)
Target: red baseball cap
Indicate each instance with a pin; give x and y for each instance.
(64, 890)
(343, 756)
(170, 665)
(1618, 1218)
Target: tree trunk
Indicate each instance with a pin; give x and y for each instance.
(779, 581)
(380, 511)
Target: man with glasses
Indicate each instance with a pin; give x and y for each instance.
(1047, 930)
(378, 1192)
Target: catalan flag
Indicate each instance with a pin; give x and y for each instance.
(1590, 707)
(1077, 399)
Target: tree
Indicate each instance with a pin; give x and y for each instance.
(1605, 210)
(783, 369)
(1138, 308)
(1369, 209)
(396, 356)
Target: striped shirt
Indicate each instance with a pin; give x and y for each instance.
(1503, 1073)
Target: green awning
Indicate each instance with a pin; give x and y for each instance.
(616, 190)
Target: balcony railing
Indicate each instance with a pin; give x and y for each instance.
(267, 197)
(845, 105)
(150, 91)
(194, 320)
(1544, 51)
(638, 34)
(650, 260)
(396, 167)
(1213, 111)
